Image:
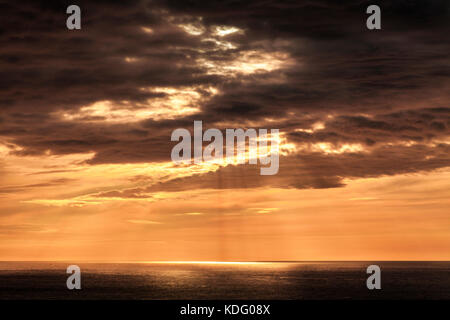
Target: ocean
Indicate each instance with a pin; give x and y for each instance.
(216, 281)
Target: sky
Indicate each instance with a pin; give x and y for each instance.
(86, 118)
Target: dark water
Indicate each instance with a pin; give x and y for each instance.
(278, 280)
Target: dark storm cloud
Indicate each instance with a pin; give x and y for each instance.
(48, 67)
(368, 87)
(421, 125)
(309, 170)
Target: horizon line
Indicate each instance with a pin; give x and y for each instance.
(214, 262)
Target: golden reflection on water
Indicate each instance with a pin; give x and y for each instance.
(210, 262)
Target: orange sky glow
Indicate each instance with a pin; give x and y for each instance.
(85, 168)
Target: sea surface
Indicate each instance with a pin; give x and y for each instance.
(183, 281)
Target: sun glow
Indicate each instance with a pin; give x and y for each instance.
(248, 62)
(174, 102)
(328, 148)
(193, 29)
(223, 31)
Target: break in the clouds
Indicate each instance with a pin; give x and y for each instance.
(349, 102)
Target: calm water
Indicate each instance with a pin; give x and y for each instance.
(278, 280)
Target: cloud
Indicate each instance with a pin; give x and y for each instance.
(318, 170)
(118, 90)
(19, 188)
(17, 229)
(193, 213)
(143, 221)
